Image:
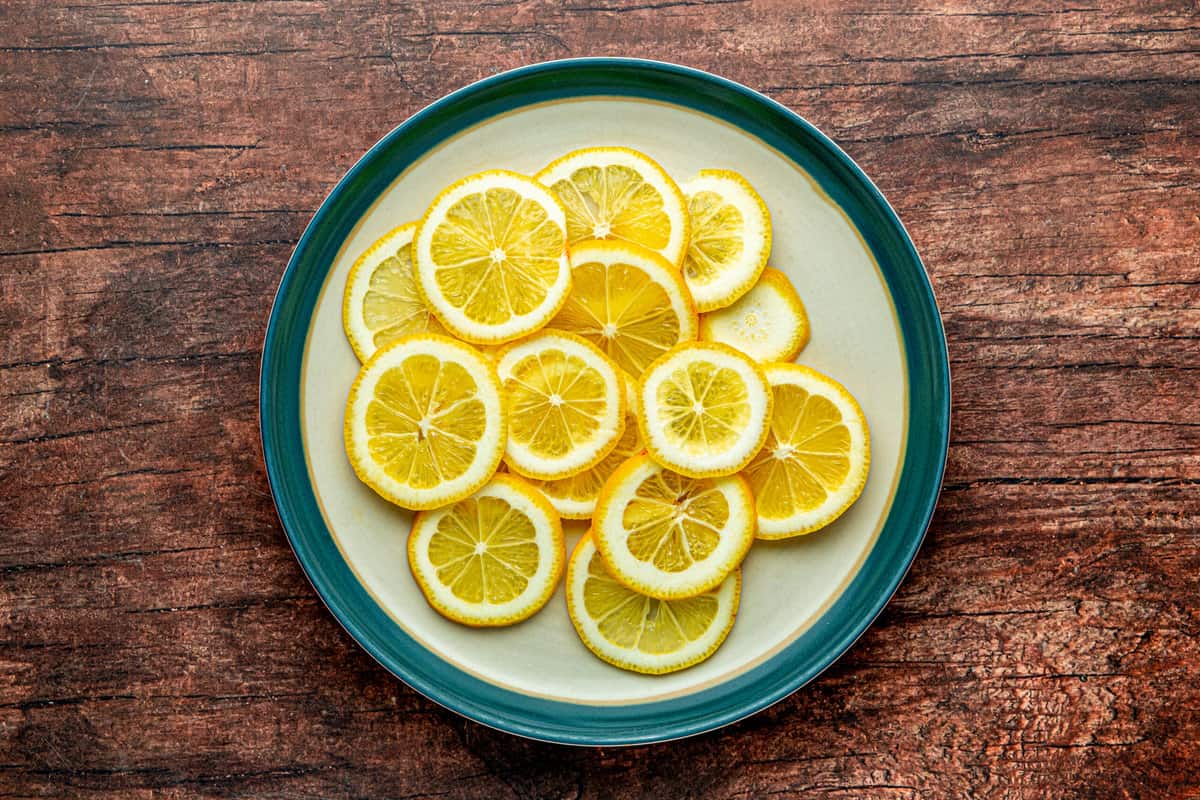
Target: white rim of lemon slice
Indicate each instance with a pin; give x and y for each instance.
(688, 429)
(716, 285)
(626, 328)
(705, 524)
(359, 284)
(493, 256)
(674, 204)
(467, 552)
(839, 497)
(528, 367)
(481, 454)
(641, 651)
(767, 323)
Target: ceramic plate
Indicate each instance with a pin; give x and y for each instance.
(875, 327)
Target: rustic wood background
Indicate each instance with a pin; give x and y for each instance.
(157, 638)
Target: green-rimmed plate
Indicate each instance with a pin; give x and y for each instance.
(875, 327)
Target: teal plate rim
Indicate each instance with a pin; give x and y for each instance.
(880, 573)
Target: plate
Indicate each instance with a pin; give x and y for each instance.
(875, 327)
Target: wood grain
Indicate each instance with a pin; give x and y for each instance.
(157, 638)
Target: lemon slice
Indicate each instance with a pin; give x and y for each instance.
(574, 497)
(639, 633)
(619, 193)
(669, 536)
(491, 257)
(704, 409)
(566, 402)
(628, 301)
(382, 302)
(493, 558)
(425, 421)
(731, 237)
(767, 323)
(815, 462)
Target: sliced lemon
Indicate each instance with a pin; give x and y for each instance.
(628, 301)
(731, 237)
(566, 402)
(670, 536)
(619, 193)
(382, 302)
(493, 558)
(425, 421)
(491, 257)
(704, 409)
(816, 458)
(640, 633)
(574, 497)
(767, 323)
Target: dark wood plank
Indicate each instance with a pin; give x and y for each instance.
(156, 636)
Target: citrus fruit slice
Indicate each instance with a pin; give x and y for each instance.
(767, 323)
(493, 558)
(628, 301)
(817, 455)
(574, 497)
(731, 237)
(640, 633)
(566, 403)
(670, 536)
(619, 193)
(382, 302)
(425, 421)
(490, 257)
(703, 409)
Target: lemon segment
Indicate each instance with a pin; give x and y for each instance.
(491, 559)
(670, 536)
(618, 193)
(767, 323)
(628, 301)
(566, 402)
(640, 633)
(704, 409)
(574, 497)
(816, 457)
(490, 257)
(731, 237)
(425, 421)
(381, 302)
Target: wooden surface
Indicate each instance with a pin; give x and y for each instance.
(157, 638)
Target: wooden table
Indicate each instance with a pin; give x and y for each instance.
(157, 638)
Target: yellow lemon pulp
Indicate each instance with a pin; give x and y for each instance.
(424, 422)
(574, 497)
(703, 406)
(620, 194)
(641, 633)
(674, 521)
(815, 459)
(491, 257)
(489, 559)
(566, 405)
(627, 301)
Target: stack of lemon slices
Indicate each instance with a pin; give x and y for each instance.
(594, 342)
